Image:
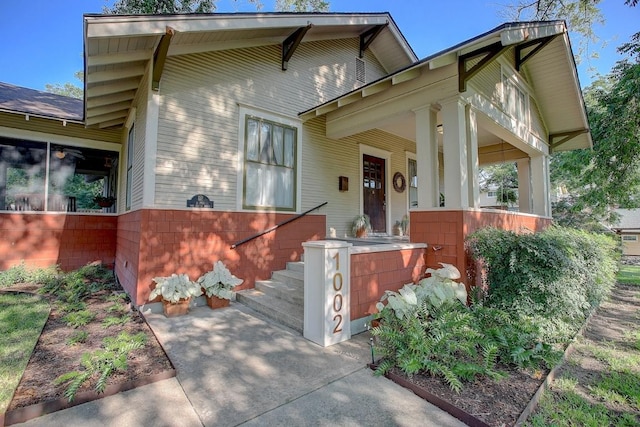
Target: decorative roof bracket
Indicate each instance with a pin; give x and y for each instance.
(539, 45)
(369, 36)
(490, 52)
(566, 136)
(291, 43)
(159, 58)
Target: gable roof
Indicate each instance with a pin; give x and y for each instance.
(21, 100)
(118, 48)
(551, 71)
(629, 220)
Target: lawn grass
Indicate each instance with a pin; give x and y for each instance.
(629, 275)
(21, 320)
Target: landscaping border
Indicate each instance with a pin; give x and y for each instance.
(26, 413)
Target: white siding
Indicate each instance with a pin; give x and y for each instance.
(139, 122)
(200, 94)
(488, 83)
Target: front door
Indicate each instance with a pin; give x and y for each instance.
(373, 172)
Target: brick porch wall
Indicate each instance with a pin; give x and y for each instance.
(45, 239)
(179, 241)
(445, 231)
(374, 273)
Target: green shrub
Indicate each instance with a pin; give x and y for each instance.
(20, 273)
(428, 328)
(102, 363)
(78, 337)
(79, 318)
(554, 278)
(77, 285)
(115, 321)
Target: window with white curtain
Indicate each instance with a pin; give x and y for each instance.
(412, 177)
(269, 165)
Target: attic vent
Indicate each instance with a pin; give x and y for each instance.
(360, 74)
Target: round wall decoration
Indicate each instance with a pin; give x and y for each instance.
(399, 183)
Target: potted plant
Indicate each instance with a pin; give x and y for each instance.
(104, 201)
(176, 292)
(404, 224)
(361, 225)
(218, 285)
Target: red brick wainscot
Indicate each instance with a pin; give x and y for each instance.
(379, 268)
(155, 242)
(69, 240)
(445, 231)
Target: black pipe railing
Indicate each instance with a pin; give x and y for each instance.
(275, 227)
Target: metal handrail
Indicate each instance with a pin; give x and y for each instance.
(269, 230)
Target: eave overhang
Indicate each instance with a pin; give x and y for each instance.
(119, 49)
(533, 38)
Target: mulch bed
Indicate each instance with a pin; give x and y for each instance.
(53, 356)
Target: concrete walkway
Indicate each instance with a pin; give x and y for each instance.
(237, 368)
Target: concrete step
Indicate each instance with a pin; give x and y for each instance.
(281, 311)
(285, 291)
(291, 277)
(296, 266)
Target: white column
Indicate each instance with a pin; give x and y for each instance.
(327, 275)
(456, 177)
(473, 164)
(524, 185)
(427, 158)
(540, 185)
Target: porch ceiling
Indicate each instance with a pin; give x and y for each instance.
(118, 49)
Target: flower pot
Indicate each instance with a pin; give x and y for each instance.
(361, 232)
(215, 302)
(105, 204)
(174, 309)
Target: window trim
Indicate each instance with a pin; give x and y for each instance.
(509, 74)
(131, 136)
(244, 113)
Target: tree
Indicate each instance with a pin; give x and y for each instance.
(67, 89)
(503, 179)
(609, 175)
(131, 7)
(302, 6)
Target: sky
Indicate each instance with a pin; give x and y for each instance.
(43, 39)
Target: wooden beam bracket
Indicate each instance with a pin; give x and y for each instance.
(566, 136)
(539, 45)
(291, 43)
(369, 36)
(159, 58)
(489, 52)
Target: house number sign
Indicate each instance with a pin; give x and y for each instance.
(327, 318)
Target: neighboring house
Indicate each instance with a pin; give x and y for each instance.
(268, 116)
(629, 230)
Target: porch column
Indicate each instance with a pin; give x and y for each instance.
(524, 185)
(427, 158)
(540, 185)
(473, 164)
(460, 155)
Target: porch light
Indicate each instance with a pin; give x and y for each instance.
(60, 153)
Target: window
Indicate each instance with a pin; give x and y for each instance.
(130, 154)
(412, 176)
(54, 177)
(629, 238)
(492, 194)
(515, 100)
(269, 165)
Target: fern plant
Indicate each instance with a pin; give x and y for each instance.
(101, 364)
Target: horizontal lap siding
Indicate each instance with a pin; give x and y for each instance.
(137, 188)
(56, 127)
(42, 240)
(326, 159)
(198, 129)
